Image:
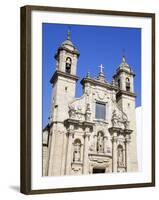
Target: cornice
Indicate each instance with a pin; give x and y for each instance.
(63, 74)
(96, 82)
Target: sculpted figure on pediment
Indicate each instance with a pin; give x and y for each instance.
(115, 119)
(119, 119)
(72, 111)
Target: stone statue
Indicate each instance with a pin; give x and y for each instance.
(88, 113)
(115, 118)
(92, 146)
(120, 157)
(100, 146)
(72, 111)
(77, 152)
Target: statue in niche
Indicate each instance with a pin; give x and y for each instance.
(120, 156)
(100, 140)
(77, 151)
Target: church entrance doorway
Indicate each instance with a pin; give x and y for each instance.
(98, 170)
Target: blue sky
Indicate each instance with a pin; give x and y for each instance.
(97, 45)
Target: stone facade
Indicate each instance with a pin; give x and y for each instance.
(95, 133)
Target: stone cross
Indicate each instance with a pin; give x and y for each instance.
(101, 68)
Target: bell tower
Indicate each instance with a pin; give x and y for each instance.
(124, 77)
(66, 57)
(63, 89)
(64, 79)
(124, 80)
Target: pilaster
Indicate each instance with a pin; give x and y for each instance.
(85, 155)
(69, 151)
(114, 151)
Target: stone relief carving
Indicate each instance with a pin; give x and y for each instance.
(80, 111)
(119, 119)
(77, 109)
(75, 112)
(76, 169)
(101, 95)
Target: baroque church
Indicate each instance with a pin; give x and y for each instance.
(95, 133)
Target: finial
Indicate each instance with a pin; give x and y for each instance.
(68, 32)
(123, 56)
(88, 74)
(101, 68)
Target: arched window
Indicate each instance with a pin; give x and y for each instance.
(120, 156)
(127, 84)
(77, 150)
(68, 65)
(100, 142)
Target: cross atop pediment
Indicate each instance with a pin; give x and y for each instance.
(101, 68)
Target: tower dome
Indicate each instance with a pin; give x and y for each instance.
(67, 45)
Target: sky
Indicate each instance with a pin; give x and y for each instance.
(97, 45)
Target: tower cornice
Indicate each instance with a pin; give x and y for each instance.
(62, 74)
(122, 92)
(124, 70)
(68, 50)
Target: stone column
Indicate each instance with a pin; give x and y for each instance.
(114, 152)
(69, 152)
(85, 154)
(127, 153)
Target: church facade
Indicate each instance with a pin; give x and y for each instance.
(95, 133)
